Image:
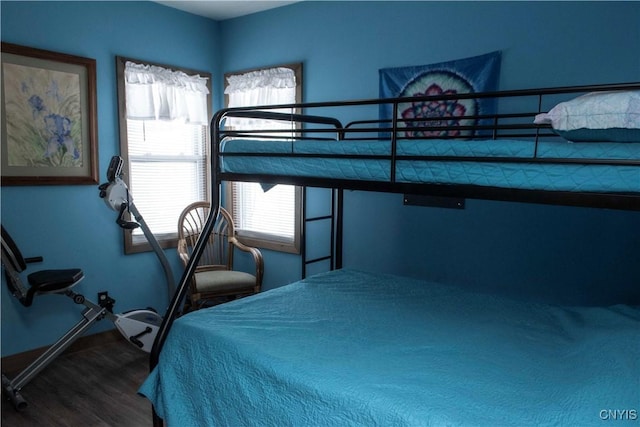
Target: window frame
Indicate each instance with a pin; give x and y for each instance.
(131, 247)
(260, 240)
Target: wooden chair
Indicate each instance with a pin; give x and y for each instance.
(214, 280)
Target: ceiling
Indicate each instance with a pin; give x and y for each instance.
(224, 9)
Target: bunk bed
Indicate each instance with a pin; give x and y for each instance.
(351, 347)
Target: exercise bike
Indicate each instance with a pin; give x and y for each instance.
(139, 327)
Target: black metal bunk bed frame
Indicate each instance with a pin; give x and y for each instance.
(502, 126)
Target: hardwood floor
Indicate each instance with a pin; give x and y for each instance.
(93, 387)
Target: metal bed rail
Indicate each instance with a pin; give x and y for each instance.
(509, 125)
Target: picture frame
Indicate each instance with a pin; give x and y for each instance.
(49, 118)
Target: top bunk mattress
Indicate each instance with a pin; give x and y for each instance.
(434, 161)
(354, 348)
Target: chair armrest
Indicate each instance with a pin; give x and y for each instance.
(182, 252)
(257, 258)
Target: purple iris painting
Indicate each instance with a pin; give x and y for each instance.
(43, 117)
(59, 129)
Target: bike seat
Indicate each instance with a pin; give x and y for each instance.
(51, 281)
(40, 282)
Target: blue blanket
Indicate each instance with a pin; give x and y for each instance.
(533, 176)
(353, 348)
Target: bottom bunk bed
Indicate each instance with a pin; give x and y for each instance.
(355, 348)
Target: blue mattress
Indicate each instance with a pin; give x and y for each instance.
(537, 176)
(353, 348)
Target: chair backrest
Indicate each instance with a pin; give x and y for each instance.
(10, 252)
(15, 263)
(218, 253)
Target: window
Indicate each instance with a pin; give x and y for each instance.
(267, 219)
(164, 114)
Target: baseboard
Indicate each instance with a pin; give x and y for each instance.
(19, 361)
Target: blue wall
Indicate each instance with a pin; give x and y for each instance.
(562, 254)
(575, 254)
(70, 225)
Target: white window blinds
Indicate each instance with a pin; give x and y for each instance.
(168, 171)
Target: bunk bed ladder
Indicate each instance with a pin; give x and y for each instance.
(335, 245)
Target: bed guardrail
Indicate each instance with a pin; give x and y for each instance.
(499, 126)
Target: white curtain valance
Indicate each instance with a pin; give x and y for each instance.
(270, 86)
(274, 78)
(156, 93)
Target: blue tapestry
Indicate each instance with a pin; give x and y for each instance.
(469, 75)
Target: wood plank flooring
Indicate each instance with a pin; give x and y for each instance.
(95, 387)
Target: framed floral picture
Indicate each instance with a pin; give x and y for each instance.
(49, 129)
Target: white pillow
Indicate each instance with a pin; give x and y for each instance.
(597, 116)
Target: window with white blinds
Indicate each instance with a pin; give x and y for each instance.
(168, 171)
(265, 214)
(165, 149)
(266, 217)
